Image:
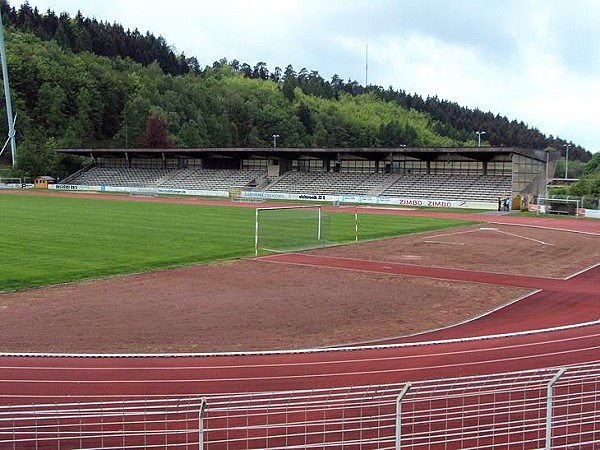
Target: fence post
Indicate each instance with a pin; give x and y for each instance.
(203, 406)
(549, 398)
(399, 414)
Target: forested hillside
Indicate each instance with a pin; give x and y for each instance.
(78, 82)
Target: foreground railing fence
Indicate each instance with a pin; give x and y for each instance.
(107, 425)
(549, 408)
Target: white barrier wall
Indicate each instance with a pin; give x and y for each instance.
(364, 199)
(16, 186)
(261, 195)
(127, 189)
(594, 213)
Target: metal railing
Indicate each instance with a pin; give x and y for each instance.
(109, 425)
(545, 408)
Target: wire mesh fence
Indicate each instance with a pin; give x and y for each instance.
(107, 425)
(545, 408)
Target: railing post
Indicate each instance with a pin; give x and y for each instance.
(399, 414)
(203, 406)
(549, 401)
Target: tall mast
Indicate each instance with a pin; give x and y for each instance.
(9, 113)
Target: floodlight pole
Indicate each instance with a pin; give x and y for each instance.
(275, 136)
(479, 133)
(566, 146)
(9, 113)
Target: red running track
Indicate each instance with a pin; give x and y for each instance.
(462, 350)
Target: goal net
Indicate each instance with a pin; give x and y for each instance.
(290, 228)
(558, 206)
(10, 182)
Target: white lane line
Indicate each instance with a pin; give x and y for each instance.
(306, 350)
(447, 327)
(582, 271)
(316, 363)
(310, 376)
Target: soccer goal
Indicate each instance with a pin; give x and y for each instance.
(143, 191)
(11, 182)
(559, 206)
(290, 228)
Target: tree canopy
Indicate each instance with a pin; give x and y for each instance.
(77, 82)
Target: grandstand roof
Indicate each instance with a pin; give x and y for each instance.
(425, 153)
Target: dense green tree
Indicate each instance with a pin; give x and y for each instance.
(588, 185)
(78, 82)
(51, 108)
(593, 165)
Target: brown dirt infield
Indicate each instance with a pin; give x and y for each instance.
(257, 305)
(494, 248)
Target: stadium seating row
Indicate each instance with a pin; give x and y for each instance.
(177, 178)
(483, 188)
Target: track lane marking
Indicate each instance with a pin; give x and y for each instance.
(309, 363)
(314, 375)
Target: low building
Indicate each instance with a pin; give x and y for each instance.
(43, 181)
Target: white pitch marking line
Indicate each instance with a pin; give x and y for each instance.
(442, 242)
(451, 234)
(483, 229)
(525, 237)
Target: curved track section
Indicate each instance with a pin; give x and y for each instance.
(557, 325)
(438, 354)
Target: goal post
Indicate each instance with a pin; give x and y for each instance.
(289, 228)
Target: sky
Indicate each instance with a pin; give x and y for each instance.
(536, 61)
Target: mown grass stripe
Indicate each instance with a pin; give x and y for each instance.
(51, 239)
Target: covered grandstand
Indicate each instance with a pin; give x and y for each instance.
(466, 177)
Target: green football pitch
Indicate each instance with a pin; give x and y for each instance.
(52, 239)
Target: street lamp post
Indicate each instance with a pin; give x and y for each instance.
(566, 146)
(479, 133)
(275, 136)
